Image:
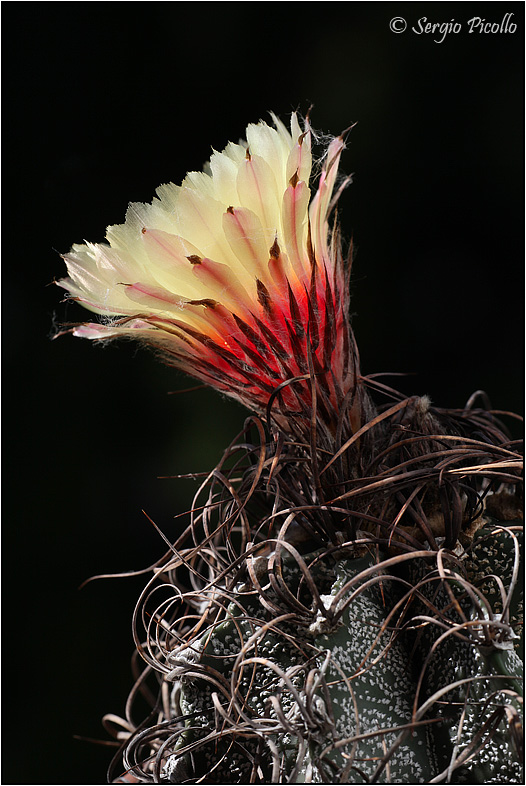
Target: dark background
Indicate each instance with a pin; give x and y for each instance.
(102, 103)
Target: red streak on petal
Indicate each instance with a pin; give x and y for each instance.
(157, 293)
(223, 282)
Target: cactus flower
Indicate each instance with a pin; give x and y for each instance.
(234, 276)
(358, 621)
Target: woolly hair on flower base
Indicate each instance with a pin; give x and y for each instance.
(344, 604)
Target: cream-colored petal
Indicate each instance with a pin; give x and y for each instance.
(199, 219)
(157, 299)
(320, 203)
(272, 147)
(169, 261)
(295, 128)
(295, 204)
(224, 171)
(258, 191)
(221, 283)
(299, 162)
(247, 239)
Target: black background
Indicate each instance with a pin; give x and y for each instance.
(102, 103)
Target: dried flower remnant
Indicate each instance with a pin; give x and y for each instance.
(236, 279)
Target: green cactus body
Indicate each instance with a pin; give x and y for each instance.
(335, 700)
(382, 686)
(361, 706)
(475, 679)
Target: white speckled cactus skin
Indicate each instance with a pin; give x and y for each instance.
(335, 702)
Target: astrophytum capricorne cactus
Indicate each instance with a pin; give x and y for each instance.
(344, 605)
